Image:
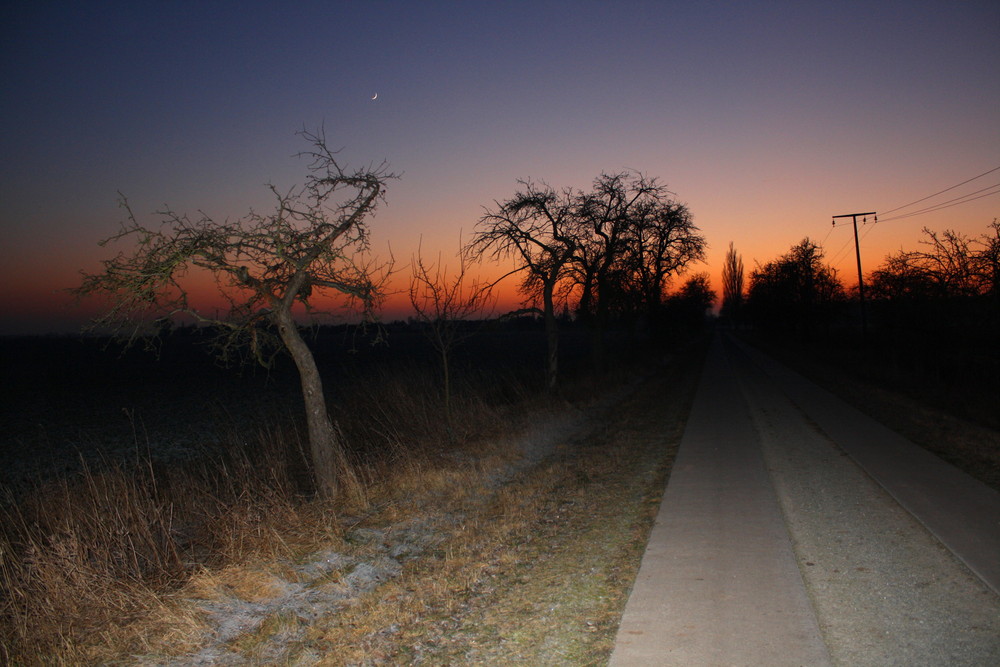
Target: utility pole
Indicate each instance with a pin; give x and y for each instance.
(857, 252)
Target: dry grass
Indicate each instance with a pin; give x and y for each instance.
(77, 553)
(539, 570)
(89, 563)
(231, 558)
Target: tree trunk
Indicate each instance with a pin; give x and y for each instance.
(327, 456)
(598, 327)
(446, 374)
(552, 335)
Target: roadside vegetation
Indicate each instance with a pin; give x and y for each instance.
(527, 500)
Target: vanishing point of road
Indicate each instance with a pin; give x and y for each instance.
(795, 530)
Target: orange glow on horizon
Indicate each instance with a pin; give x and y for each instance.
(46, 302)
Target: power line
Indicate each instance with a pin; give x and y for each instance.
(840, 254)
(963, 199)
(857, 250)
(868, 231)
(948, 204)
(988, 191)
(832, 227)
(893, 210)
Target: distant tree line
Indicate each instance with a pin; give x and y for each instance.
(937, 307)
(951, 283)
(795, 293)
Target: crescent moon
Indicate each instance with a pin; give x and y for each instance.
(375, 96)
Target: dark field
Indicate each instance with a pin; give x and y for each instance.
(64, 399)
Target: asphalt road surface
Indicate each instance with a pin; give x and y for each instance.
(795, 530)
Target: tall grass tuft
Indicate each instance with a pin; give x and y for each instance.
(78, 553)
(97, 550)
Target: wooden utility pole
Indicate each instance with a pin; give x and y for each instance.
(857, 252)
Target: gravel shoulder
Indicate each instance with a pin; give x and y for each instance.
(968, 438)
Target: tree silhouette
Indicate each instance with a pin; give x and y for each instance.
(606, 220)
(988, 268)
(732, 285)
(263, 265)
(631, 237)
(612, 248)
(666, 242)
(951, 282)
(444, 302)
(534, 228)
(690, 304)
(796, 292)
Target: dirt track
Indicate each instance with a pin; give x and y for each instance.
(532, 568)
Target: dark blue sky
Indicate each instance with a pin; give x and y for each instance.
(766, 118)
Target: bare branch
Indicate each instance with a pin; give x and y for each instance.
(445, 303)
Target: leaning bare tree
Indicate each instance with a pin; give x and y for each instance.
(263, 265)
(534, 229)
(444, 302)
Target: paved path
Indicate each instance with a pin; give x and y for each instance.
(963, 513)
(773, 547)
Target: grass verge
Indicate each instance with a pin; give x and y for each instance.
(450, 553)
(536, 570)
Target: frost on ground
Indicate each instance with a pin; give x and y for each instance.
(291, 595)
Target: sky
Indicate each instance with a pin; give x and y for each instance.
(765, 118)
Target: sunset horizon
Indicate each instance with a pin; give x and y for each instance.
(765, 121)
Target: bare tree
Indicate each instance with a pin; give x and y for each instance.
(632, 237)
(988, 263)
(666, 241)
(444, 303)
(795, 292)
(952, 283)
(534, 228)
(949, 262)
(263, 265)
(608, 219)
(732, 285)
(615, 247)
